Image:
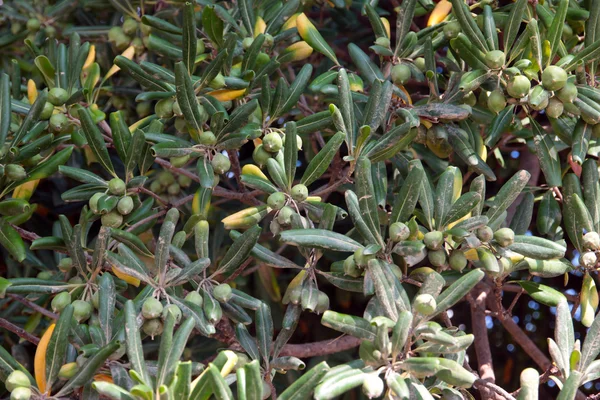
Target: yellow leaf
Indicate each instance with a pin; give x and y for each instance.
(25, 191)
(290, 23)
(103, 378)
(386, 25)
(301, 50)
(407, 94)
(440, 12)
(128, 53)
(91, 57)
(427, 124)
(196, 204)
(227, 94)
(259, 26)
(32, 92)
(127, 278)
(471, 255)
(39, 362)
(251, 169)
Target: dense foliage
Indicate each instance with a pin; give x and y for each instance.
(294, 199)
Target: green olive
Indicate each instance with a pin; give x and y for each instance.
(400, 73)
(207, 138)
(117, 187)
(276, 200)
(21, 393)
(568, 93)
(184, 181)
(93, 203)
(555, 108)
(485, 233)
(143, 109)
(195, 298)
(222, 293)
(496, 101)
(152, 308)
(180, 161)
(284, 217)
(247, 42)
(538, 98)
(125, 205)
(350, 267)
(173, 309)
(518, 86)
(260, 155)
(420, 63)
(153, 327)
(218, 82)
(82, 310)
(220, 163)
(17, 379)
(458, 261)
(164, 108)
(130, 26)
(165, 178)
(425, 304)
(47, 111)
(451, 29)
(174, 189)
(33, 25)
(114, 33)
(65, 264)
(554, 78)
(272, 142)
(433, 240)
(495, 59)
(299, 192)
(58, 122)
(437, 257)
(15, 172)
(504, 236)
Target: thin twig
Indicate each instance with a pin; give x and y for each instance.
(20, 332)
(33, 306)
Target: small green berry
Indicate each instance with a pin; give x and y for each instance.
(82, 310)
(152, 308)
(117, 187)
(554, 78)
(220, 163)
(58, 96)
(276, 200)
(299, 192)
(272, 142)
(125, 205)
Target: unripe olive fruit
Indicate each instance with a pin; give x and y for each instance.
(173, 309)
(382, 41)
(496, 101)
(164, 108)
(156, 187)
(433, 240)
(399, 232)
(299, 192)
(591, 240)
(44, 275)
(58, 96)
(518, 86)
(117, 187)
(260, 155)
(152, 308)
(222, 292)
(67, 371)
(495, 59)
(125, 205)
(400, 73)
(112, 219)
(58, 122)
(15, 172)
(114, 33)
(207, 138)
(555, 108)
(96, 300)
(153, 327)
(295, 294)
(200, 47)
(554, 78)
(21, 393)
(420, 63)
(272, 142)
(17, 379)
(93, 203)
(322, 303)
(458, 260)
(180, 161)
(143, 109)
(76, 280)
(50, 31)
(47, 111)
(350, 267)
(247, 42)
(166, 178)
(425, 304)
(181, 124)
(195, 298)
(504, 236)
(485, 233)
(220, 163)
(33, 25)
(568, 93)
(130, 26)
(60, 301)
(372, 386)
(284, 217)
(470, 99)
(361, 259)
(82, 310)
(437, 258)
(65, 264)
(276, 200)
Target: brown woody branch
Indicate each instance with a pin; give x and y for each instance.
(20, 332)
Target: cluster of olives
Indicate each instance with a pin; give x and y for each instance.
(279, 201)
(166, 183)
(112, 206)
(309, 297)
(271, 147)
(155, 314)
(401, 73)
(591, 243)
(19, 385)
(126, 35)
(33, 26)
(82, 310)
